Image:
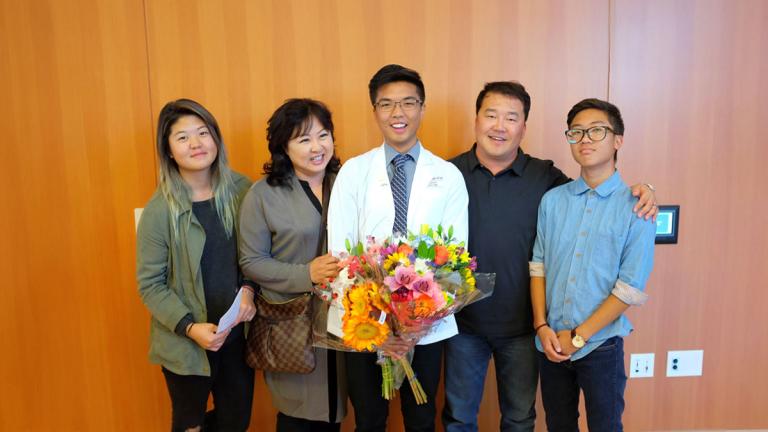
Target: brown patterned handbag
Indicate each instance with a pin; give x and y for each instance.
(280, 338)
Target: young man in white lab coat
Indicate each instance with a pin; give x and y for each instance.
(428, 190)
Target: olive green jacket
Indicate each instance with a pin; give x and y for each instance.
(171, 282)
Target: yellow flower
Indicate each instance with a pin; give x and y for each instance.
(468, 276)
(375, 297)
(464, 257)
(394, 259)
(356, 301)
(364, 333)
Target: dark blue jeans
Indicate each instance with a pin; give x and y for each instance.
(600, 375)
(466, 364)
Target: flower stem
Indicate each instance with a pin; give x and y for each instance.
(418, 391)
(387, 381)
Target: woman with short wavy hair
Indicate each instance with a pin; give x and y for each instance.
(280, 225)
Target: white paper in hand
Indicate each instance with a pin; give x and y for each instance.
(228, 319)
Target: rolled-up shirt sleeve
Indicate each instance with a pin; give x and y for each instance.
(536, 269)
(636, 263)
(536, 265)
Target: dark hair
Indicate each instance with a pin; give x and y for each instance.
(512, 89)
(395, 73)
(610, 110)
(294, 118)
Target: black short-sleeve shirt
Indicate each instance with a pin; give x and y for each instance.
(503, 211)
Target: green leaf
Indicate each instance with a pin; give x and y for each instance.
(423, 250)
(348, 245)
(450, 233)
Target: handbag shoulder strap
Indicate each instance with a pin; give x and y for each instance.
(322, 239)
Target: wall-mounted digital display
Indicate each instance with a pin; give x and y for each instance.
(667, 223)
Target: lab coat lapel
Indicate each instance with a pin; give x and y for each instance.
(382, 190)
(421, 178)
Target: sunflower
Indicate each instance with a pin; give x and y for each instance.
(394, 259)
(364, 333)
(356, 301)
(375, 297)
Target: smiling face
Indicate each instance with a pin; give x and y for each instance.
(499, 129)
(192, 145)
(399, 126)
(310, 151)
(595, 155)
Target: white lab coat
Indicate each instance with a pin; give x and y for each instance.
(361, 205)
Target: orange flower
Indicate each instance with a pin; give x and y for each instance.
(441, 254)
(423, 306)
(404, 249)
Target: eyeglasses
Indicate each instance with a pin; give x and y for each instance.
(408, 104)
(595, 133)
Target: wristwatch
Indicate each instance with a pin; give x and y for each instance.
(576, 339)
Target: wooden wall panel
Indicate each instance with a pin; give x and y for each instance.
(84, 82)
(76, 111)
(244, 59)
(689, 77)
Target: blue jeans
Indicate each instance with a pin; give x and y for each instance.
(466, 364)
(600, 374)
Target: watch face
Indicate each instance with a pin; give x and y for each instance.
(578, 341)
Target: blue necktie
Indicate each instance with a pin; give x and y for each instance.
(399, 195)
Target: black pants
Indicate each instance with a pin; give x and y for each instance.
(231, 383)
(287, 423)
(371, 409)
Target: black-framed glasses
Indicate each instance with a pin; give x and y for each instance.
(408, 104)
(595, 133)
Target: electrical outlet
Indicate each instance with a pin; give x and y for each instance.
(685, 363)
(641, 365)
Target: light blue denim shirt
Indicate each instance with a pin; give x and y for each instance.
(589, 245)
(410, 165)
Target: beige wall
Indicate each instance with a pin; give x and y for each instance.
(84, 80)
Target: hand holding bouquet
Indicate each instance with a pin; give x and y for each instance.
(400, 288)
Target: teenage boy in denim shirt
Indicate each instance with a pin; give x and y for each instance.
(591, 260)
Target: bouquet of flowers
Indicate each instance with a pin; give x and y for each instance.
(401, 287)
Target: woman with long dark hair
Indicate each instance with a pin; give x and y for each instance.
(188, 272)
(280, 225)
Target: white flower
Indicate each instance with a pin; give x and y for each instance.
(421, 266)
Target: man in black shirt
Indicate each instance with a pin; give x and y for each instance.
(505, 187)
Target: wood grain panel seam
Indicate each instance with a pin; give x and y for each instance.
(610, 48)
(149, 90)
